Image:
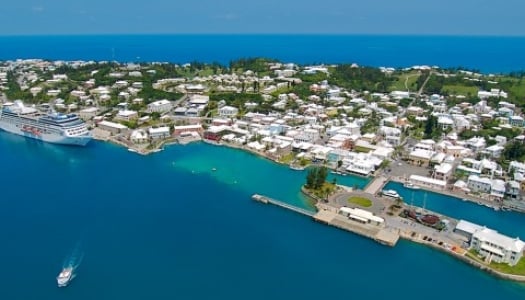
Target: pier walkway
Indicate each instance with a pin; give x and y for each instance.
(377, 184)
(266, 200)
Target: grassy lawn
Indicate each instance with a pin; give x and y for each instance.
(518, 269)
(362, 149)
(460, 90)
(474, 255)
(361, 201)
(288, 158)
(518, 89)
(399, 84)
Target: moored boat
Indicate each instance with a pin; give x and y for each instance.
(410, 185)
(390, 193)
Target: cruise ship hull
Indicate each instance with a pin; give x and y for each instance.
(80, 140)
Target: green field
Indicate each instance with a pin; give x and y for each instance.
(361, 201)
(518, 90)
(518, 269)
(399, 84)
(460, 90)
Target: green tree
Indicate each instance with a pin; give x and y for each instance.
(316, 177)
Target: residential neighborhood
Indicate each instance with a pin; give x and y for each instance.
(451, 130)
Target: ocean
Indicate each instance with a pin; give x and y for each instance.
(489, 54)
(166, 226)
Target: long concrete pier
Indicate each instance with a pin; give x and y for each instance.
(268, 200)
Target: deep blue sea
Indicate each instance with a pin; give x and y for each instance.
(487, 54)
(166, 226)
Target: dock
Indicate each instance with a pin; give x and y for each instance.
(379, 234)
(268, 200)
(329, 216)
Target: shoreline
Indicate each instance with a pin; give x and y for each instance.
(178, 141)
(415, 238)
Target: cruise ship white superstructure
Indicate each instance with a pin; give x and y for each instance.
(67, 129)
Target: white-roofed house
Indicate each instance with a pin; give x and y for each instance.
(479, 184)
(160, 106)
(428, 182)
(494, 151)
(138, 136)
(420, 157)
(159, 133)
(112, 127)
(228, 111)
(443, 171)
(127, 115)
(497, 247)
(498, 189)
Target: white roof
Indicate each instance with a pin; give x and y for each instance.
(361, 214)
(492, 236)
(182, 127)
(160, 102)
(443, 168)
(468, 227)
(421, 153)
(126, 113)
(112, 125)
(427, 180)
(163, 129)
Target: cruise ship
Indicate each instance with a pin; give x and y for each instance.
(65, 276)
(57, 128)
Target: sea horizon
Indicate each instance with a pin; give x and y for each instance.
(488, 54)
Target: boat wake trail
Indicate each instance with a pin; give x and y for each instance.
(75, 257)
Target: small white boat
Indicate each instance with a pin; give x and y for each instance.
(390, 193)
(410, 185)
(65, 277)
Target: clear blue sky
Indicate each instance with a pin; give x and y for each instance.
(449, 17)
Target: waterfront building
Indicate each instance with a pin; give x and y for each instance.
(491, 244)
(361, 216)
(479, 184)
(513, 189)
(138, 136)
(159, 133)
(428, 182)
(112, 127)
(184, 129)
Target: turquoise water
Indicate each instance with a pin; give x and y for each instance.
(150, 228)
